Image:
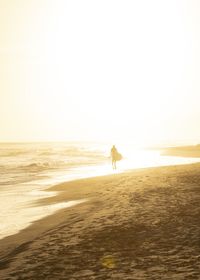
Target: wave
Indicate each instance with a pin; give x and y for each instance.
(25, 162)
(40, 166)
(12, 153)
(36, 166)
(49, 152)
(68, 163)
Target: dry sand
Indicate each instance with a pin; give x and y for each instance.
(142, 224)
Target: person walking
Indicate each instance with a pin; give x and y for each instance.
(114, 154)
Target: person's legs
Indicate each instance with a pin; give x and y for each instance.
(115, 167)
(113, 164)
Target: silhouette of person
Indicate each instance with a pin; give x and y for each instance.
(114, 154)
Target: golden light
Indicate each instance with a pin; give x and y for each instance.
(108, 70)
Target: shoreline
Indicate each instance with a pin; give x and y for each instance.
(115, 202)
(17, 202)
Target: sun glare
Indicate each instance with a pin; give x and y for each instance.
(99, 70)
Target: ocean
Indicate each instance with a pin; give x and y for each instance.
(28, 169)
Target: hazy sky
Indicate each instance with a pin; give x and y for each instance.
(100, 70)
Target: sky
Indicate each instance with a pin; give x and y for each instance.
(100, 71)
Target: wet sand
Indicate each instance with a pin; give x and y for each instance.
(142, 224)
(182, 151)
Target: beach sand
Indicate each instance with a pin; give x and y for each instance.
(143, 224)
